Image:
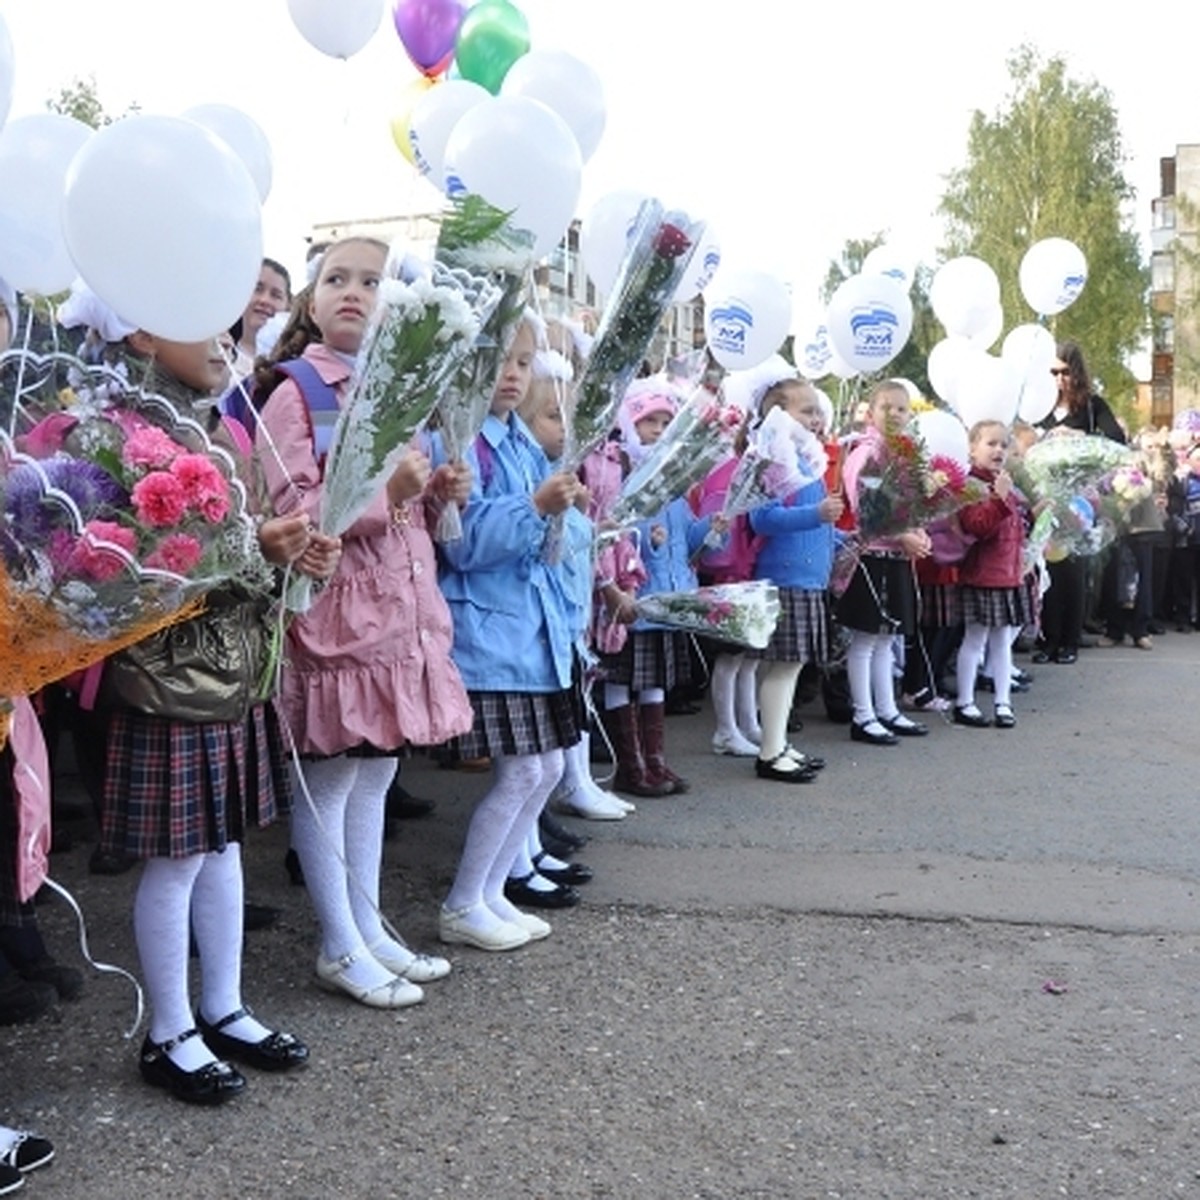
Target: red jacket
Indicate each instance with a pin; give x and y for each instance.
(996, 560)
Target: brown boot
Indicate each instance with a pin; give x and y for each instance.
(652, 718)
(622, 726)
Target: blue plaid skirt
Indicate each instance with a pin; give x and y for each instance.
(512, 723)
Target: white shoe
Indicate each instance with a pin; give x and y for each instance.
(416, 968)
(734, 744)
(455, 927)
(592, 805)
(395, 993)
(534, 926)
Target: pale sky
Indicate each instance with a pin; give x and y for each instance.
(789, 126)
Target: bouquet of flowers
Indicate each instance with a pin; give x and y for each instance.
(781, 458)
(657, 254)
(478, 238)
(117, 515)
(905, 487)
(697, 438)
(743, 613)
(1118, 492)
(1064, 465)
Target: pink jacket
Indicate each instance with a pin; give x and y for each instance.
(370, 661)
(31, 793)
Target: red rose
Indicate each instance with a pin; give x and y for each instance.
(671, 242)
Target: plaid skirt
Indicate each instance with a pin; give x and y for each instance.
(802, 631)
(996, 607)
(513, 723)
(650, 658)
(881, 597)
(174, 788)
(940, 606)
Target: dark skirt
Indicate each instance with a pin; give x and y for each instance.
(802, 631)
(940, 606)
(515, 723)
(651, 658)
(881, 597)
(996, 607)
(174, 788)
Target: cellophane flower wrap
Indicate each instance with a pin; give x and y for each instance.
(698, 437)
(478, 238)
(657, 253)
(780, 458)
(1118, 493)
(742, 613)
(117, 515)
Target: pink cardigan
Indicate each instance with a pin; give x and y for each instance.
(370, 661)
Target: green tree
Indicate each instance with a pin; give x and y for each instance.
(79, 99)
(1049, 163)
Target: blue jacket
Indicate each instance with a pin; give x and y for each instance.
(668, 566)
(514, 620)
(798, 548)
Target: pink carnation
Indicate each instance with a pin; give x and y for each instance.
(202, 483)
(94, 555)
(158, 500)
(177, 552)
(149, 448)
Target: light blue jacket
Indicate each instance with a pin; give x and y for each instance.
(668, 566)
(514, 619)
(798, 548)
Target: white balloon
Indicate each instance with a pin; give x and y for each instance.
(814, 351)
(943, 433)
(604, 235)
(963, 293)
(945, 365)
(702, 268)
(337, 29)
(914, 392)
(35, 155)
(164, 224)
(887, 260)
(6, 70)
(989, 328)
(747, 318)
(1038, 396)
(433, 119)
(987, 390)
(483, 154)
(244, 136)
(870, 318)
(1053, 273)
(1027, 346)
(839, 368)
(567, 86)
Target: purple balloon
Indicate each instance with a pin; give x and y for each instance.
(428, 29)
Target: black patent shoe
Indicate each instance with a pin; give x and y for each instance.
(213, 1083)
(518, 891)
(570, 874)
(864, 733)
(976, 719)
(1004, 717)
(903, 726)
(784, 769)
(562, 837)
(276, 1052)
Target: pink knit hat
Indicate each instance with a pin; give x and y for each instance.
(646, 397)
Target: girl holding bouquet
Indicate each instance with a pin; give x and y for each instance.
(879, 603)
(653, 660)
(797, 556)
(995, 602)
(368, 666)
(513, 644)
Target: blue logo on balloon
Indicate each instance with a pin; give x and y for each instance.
(873, 327)
(712, 260)
(817, 353)
(1072, 285)
(728, 327)
(455, 185)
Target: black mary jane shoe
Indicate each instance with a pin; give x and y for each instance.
(518, 891)
(814, 762)
(1004, 717)
(276, 1052)
(557, 838)
(863, 733)
(213, 1083)
(903, 726)
(784, 769)
(571, 874)
(976, 720)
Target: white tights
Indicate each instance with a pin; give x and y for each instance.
(869, 672)
(999, 640)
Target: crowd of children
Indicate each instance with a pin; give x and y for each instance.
(509, 653)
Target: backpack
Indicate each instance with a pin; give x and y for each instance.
(242, 403)
(950, 542)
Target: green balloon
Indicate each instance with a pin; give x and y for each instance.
(493, 35)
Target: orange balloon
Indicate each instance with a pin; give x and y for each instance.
(409, 95)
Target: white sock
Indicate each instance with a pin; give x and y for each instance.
(973, 640)
(775, 693)
(320, 839)
(747, 698)
(161, 911)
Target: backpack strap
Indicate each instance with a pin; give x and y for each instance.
(320, 399)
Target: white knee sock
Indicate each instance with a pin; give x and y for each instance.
(974, 638)
(775, 693)
(161, 912)
(319, 838)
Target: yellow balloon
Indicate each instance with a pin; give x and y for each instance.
(409, 95)
(1055, 553)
